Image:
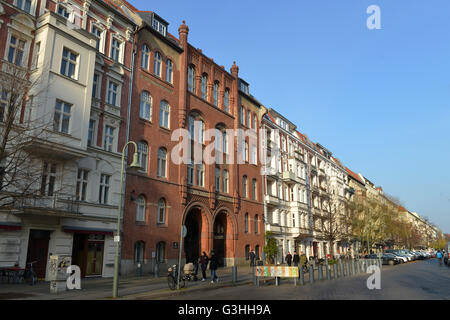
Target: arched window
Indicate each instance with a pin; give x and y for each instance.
(216, 93)
(145, 110)
(253, 189)
(169, 71)
(145, 57)
(140, 209)
(161, 211)
(244, 186)
(191, 79)
(143, 155)
(161, 252)
(196, 128)
(226, 100)
(139, 250)
(157, 64)
(204, 86)
(246, 222)
(256, 224)
(162, 163)
(164, 113)
(225, 181)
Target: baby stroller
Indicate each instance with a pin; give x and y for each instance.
(190, 271)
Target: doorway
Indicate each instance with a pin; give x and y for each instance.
(220, 231)
(87, 253)
(38, 251)
(192, 239)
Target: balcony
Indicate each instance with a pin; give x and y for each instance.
(59, 204)
(290, 177)
(272, 200)
(46, 148)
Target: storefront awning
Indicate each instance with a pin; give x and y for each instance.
(10, 226)
(70, 229)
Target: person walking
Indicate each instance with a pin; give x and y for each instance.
(288, 259)
(296, 259)
(304, 261)
(213, 264)
(252, 258)
(204, 264)
(439, 257)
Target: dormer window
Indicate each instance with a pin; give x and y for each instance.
(160, 26)
(244, 87)
(62, 11)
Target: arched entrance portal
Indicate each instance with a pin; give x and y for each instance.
(193, 224)
(219, 241)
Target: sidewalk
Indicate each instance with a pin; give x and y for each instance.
(130, 287)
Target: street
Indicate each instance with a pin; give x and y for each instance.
(422, 280)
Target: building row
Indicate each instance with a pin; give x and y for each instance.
(91, 75)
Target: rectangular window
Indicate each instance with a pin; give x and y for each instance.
(25, 5)
(200, 175)
(253, 154)
(62, 11)
(3, 105)
(115, 49)
(91, 132)
(113, 90)
(217, 180)
(98, 34)
(190, 177)
(48, 179)
(249, 118)
(108, 140)
(242, 116)
(61, 118)
(104, 189)
(82, 182)
(95, 85)
(69, 63)
(16, 50)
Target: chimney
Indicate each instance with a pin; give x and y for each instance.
(183, 31)
(234, 69)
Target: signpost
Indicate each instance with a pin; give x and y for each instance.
(182, 235)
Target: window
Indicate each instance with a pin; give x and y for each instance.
(69, 63)
(159, 26)
(108, 139)
(217, 179)
(254, 121)
(113, 91)
(253, 189)
(249, 118)
(256, 224)
(145, 57)
(95, 85)
(242, 115)
(200, 174)
(97, 32)
(225, 181)
(244, 186)
(104, 189)
(257, 252)
(145, 110)
(115, 49)
(216, 94)
(143, 155)
(226, 100)
(140, 209)
(48, 179)
(190, 175)
(169, 71)
(3, 104)
(91, 132)
(62, 11)
(161, 211)
(247, 252)
(61, 118)
(25, 5)
(164, 112)
(225, 142)
(293, 220)
(162, 162)
(160, 252)
(82, 181)
(157, 64)
(16, 51)
(245, 152)
(246, 222)
(191, 79)
(139, 249)
(253, 154)
(204, 86)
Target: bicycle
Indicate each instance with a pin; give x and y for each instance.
(30, 275)
(172, 278)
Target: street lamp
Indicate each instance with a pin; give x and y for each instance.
(134, 164)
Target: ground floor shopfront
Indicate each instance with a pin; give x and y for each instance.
(35, 238)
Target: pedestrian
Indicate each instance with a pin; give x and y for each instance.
(288, 259)
(252, 258)
(303, 260)
(296, 259)
(439, 257)
(213, 264)
(204, 264)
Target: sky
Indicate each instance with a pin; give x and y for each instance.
(378, 99)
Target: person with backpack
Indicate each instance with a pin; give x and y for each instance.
(439, 257)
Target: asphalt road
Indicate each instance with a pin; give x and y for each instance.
(419, 280)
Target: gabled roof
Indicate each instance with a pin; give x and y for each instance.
(354, 175)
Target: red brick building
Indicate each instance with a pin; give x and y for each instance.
(176, 86)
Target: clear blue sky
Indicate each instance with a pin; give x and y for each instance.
(378, 99)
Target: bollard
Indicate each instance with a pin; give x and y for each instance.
(302, 276)
(328, 272)
(139, 269)
(311, 274)
(335, 271)
(234, 274)
(320, 272)
(277, 281)
(254, 275)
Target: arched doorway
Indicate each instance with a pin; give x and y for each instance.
(219, 241)
(193, 225)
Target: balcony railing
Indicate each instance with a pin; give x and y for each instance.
(57, 202)
(289, 177)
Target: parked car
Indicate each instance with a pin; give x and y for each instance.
(397, 253)
(388, 259)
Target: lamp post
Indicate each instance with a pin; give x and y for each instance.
(134, 164)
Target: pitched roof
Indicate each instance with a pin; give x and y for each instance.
(354, 175)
